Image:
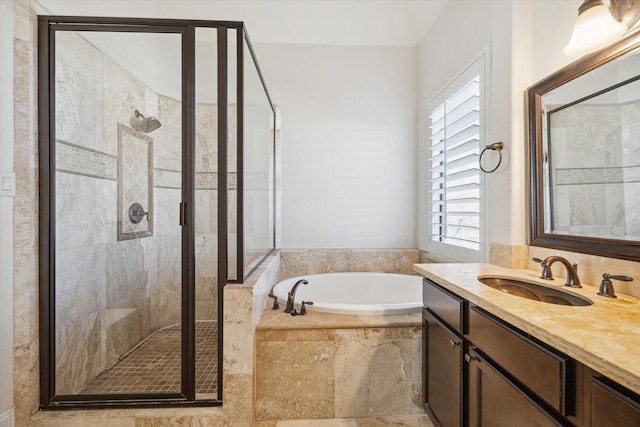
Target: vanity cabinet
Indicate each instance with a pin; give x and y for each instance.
(443, 355)
(479, 370)
(495, 399)
(513, 379)
(612, 405)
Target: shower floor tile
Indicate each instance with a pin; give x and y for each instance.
(154, 366)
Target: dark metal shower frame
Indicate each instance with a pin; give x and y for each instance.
(47, 27)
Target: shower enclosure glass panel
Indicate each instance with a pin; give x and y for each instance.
(206, 208)
(118, 175)
(234, 180)
(156, 177)
(260, 130)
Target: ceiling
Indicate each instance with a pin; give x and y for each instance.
(317, 22)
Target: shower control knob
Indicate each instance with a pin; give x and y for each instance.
(137, 213)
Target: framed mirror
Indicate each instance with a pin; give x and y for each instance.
(584, 145)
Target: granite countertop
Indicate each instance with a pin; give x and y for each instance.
(604, 336)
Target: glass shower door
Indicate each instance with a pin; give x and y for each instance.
(118, 188)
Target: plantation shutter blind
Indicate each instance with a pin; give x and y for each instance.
(455, 134)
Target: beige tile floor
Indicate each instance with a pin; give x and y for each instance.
(154, 366)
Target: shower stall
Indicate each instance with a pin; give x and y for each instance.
(157, 147)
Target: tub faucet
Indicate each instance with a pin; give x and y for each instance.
(572, 274)
(291, 296)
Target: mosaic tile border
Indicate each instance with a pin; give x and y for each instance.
(78, 160)
(589, 176)
(172, 179)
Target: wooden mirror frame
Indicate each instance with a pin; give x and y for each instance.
(613, 248)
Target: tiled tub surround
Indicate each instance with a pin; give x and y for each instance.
(325, 366)
(603, 336)
(298, 262)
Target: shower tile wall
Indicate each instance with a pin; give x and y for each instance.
(135, 182)
(112, 294)
(631, 167)
(97, 277)
(206, 211)
(593, 198)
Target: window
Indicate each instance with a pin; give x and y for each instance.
(456, 133)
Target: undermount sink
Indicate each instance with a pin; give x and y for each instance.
(533, 291)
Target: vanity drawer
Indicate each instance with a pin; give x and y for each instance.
(447, 306)
(613, 405)
(534, 365)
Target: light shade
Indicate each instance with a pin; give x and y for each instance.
(594, 28)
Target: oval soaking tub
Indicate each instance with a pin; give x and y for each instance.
(355, 293)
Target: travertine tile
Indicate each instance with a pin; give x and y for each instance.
(238, 334)
(384, 261)
(237, 393)
(509, 256)
(404, 421)
(374, 373)
(26, 384)
(295, 379)
(591, 268)
(76, 421)
(317, 261)
(295, 335)
(334, 422)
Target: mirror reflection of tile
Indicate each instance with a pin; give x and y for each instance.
(135, 184)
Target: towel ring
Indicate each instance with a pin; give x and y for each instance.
(496, 146)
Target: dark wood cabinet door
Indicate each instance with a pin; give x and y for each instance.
(495, 401)
(541, 369)
(613, 406)
(443, 353)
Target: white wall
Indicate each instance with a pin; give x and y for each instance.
(462, 32)
(348, 143)
(6, 215)
(552, 23)
(526, 40)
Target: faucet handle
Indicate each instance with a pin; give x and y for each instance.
(276, 306)
(606, 286)
(538, 260)
(303, 309)
(618, 277)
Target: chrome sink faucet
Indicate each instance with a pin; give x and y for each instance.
(573, 280)
(291, 296)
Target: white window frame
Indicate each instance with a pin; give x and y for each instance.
(480, 65)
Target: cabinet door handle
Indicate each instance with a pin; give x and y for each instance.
(468, 358)
(452, 343)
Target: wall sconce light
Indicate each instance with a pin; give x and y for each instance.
(598, 26)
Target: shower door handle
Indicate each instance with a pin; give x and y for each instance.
(183, 213)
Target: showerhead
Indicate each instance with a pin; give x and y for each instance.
(145, 124)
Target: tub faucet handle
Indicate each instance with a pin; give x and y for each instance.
(276, 306)
(303, 309)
